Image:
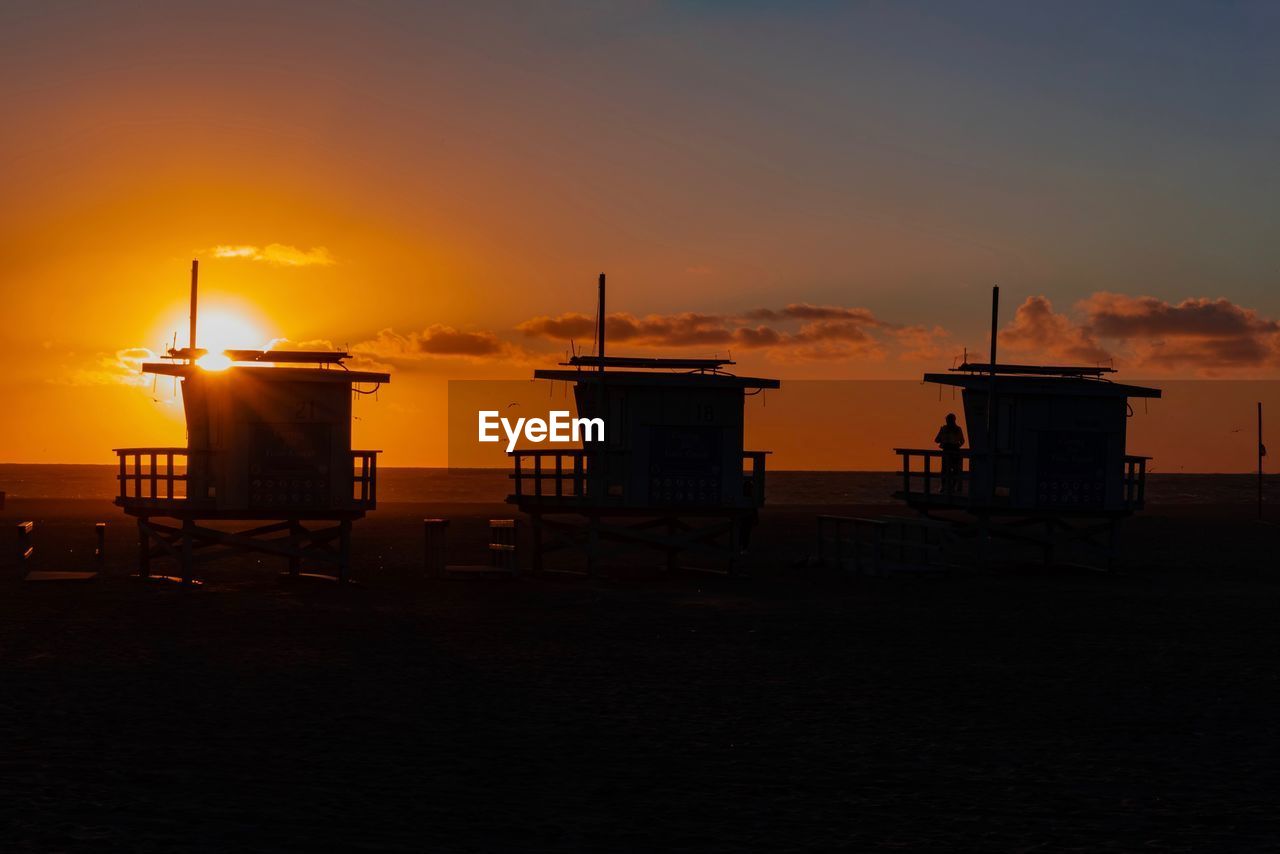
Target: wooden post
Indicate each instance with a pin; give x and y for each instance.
(344, 551)
(1111, 544)
(673, 554)
(593, 539)
(295, 555)
(537, 541)
(100, 553)
(25, 548)
(435, 538)
(733, 568)
(144, 549)
(502, 544)
(188, 551)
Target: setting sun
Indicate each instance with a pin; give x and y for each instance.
(220, 327)
(214, 361)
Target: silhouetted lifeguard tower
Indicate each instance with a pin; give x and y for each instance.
(671, 474)
(268, 440)
(1050, 453)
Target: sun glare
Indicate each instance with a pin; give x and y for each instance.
(220, 329)
(214, 361)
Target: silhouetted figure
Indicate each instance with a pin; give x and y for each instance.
(950, 439)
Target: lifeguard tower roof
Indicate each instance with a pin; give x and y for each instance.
(1040, 379)
(675, 372)
(280, 365)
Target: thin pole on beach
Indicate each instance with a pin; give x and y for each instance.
(1262, 452)
(991, 393)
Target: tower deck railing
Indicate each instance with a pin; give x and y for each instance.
(923, 477)
(563, 476)
(550, 475)
(753, 471)
(156, 478)
(1135, 481)
(153, 474)
(927, 480)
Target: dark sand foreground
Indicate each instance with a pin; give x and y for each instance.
(1002, 711)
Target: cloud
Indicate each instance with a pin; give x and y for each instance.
(435, 341)
(278, 254)
(1209, 336)
(250, 252)
(922, 343)
(1039, 331)
(797, 331)
(121, 367)
(1148, 317)
(564, 327)
(805, 311)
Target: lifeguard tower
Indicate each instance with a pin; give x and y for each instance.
(268, 441)
(671, 473)
(1049, 454)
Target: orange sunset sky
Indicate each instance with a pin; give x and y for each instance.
(826, 191)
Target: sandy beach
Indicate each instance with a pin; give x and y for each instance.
(1011, 710)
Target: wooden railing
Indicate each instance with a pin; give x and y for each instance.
(928, 479)
(1135, 481)
(150, 474)
(753, 477)
(559, 474)
(364, 475)
(160, 475)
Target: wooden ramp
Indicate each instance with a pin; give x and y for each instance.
(27, 549)
(46, 576)
(503, 554)
(883, 545)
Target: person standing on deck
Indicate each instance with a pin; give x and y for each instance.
(950, 439)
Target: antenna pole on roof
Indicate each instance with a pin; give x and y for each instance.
(995, 321)
(195, 276)
(600, 325)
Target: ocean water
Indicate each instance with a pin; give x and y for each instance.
(491, 485)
